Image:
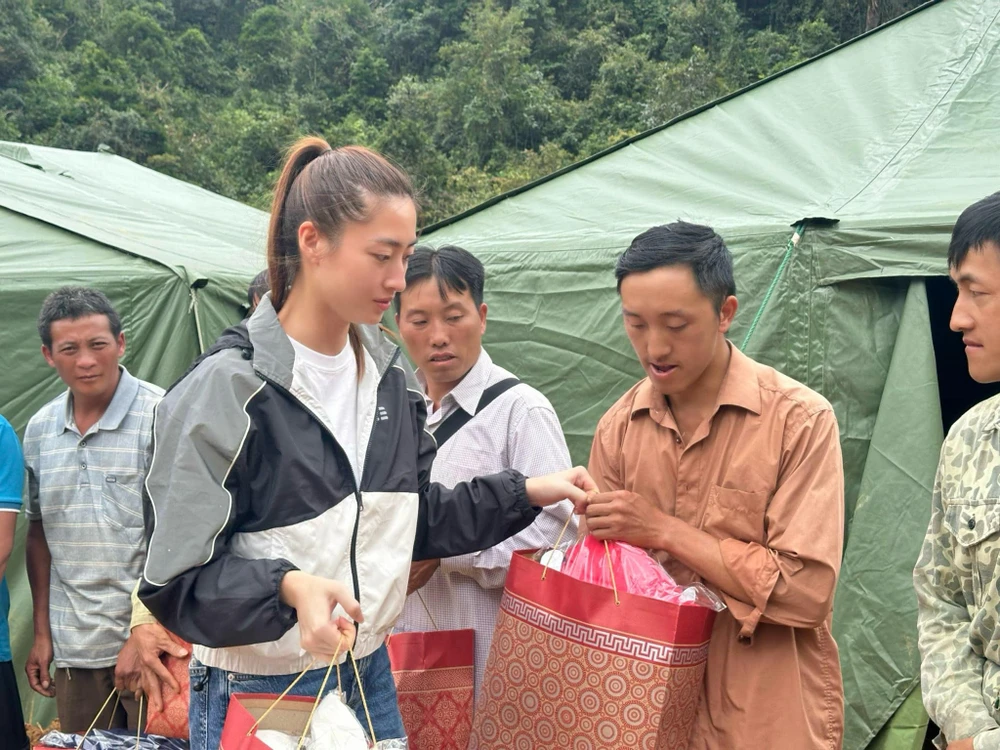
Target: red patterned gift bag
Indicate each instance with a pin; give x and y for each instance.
(249, 712)
(577, 665)
(435, 682)
(172, 720)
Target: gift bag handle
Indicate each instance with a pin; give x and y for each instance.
(117, 696)
(319, 695)
(607, 554)
(361, 690)
(426, 609)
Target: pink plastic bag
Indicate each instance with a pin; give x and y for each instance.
(635, 572)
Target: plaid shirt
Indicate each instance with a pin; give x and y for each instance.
(87, 492)
(519, 430)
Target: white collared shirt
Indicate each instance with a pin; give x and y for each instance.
(518, 430)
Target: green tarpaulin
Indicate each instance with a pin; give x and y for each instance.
(864, 157)
(872, 150)
(174, 259)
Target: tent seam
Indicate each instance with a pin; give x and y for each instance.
(490, 202)
(793, 241)
(926, 117)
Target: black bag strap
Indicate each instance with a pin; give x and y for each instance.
(460, 417)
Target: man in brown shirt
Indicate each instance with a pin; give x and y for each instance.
(732, 474)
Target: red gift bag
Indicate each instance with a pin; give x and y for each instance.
(172, 720)
(570, 668)
(435, 683)
(239, 732)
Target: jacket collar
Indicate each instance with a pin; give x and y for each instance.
(274, 357)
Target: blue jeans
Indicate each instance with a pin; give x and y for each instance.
(211, 689)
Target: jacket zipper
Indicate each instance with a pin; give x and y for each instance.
(354, 480)
(357, 489)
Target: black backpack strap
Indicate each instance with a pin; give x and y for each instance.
(460, 417)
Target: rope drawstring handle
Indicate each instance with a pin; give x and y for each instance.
(611, 570)
(117, 696)
(138, 729)
(287, 690)
(361, 690)
(545, 568)
(118, 699)
(426, 609)
(319, 695)
(100, 711)
(607, 555)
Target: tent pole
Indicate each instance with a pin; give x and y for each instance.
(197, 319)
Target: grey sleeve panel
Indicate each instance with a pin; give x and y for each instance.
(192, 583)
(199, 432)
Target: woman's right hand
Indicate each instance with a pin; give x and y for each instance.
(314, 598)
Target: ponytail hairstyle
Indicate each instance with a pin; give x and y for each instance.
(329, 187)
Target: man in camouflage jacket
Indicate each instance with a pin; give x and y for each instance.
(957, 577)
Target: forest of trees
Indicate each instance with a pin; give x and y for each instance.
(473, 97)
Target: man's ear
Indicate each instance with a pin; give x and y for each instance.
(47, 353)
(482, 318)
(727, 313)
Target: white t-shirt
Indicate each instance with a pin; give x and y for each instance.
(332, 383)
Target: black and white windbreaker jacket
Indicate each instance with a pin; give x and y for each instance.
(247, 482)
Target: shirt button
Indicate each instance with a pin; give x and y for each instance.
(83, 443)
(83, 465)
(678, 440)
(972, 524)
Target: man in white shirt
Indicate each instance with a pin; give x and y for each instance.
(484, 420)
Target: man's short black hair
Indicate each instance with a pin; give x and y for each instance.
(72, 303)
(682, 243)
(452, 267)
(258, 288)
(978, 224)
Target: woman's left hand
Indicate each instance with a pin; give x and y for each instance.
(573, 484)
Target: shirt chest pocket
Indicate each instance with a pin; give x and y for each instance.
(121, 502)
(737, 514)
(976, 530)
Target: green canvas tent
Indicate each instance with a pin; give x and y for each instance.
(836, 185)
(174, 259)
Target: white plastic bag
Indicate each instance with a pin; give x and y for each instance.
(335, 727)
(277, 740)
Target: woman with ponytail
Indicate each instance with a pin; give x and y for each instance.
(289, 487)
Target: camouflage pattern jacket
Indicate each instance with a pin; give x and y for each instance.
(957, 580)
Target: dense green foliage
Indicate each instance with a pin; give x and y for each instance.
(472, 96)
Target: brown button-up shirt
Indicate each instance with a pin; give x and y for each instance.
(764, 475)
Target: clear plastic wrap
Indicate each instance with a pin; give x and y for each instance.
(635, 572)
(111, 740)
